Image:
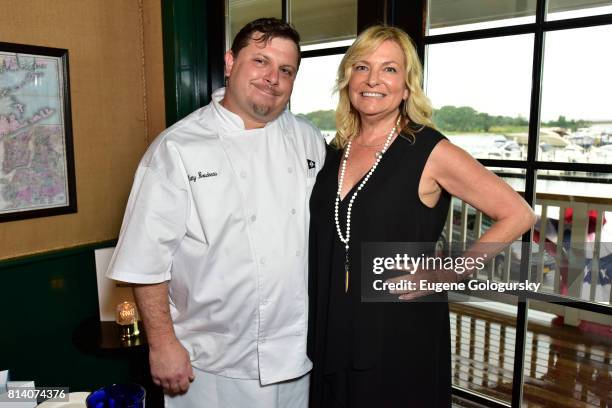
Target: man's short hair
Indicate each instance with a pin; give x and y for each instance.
(265, 29)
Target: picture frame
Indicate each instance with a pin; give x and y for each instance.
(37, 177)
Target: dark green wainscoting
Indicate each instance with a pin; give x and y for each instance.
(43, 298)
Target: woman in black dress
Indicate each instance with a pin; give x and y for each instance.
(388, 178)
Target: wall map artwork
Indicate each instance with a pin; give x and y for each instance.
(36, 153)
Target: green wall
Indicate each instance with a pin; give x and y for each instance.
(42, 300)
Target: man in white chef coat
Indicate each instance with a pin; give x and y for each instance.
(215, 236)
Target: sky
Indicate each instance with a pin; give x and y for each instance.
(494, 75)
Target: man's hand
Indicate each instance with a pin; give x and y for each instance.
(170, 367)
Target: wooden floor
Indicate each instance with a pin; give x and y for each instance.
(564, 366)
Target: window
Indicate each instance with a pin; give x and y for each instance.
(562, 9)
(576, 96)
(482, 101)
(524, 86)
(313, 92)
(317, 21)
(327, 28)
(572, 361)
(241, 12)
(320, 21)
(451, 16)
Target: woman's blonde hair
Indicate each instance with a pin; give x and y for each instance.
(416, 110)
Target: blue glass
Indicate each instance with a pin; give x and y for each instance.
(117, 396)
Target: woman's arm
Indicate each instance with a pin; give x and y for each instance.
(454, 170)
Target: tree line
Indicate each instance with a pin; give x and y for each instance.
(459, 119)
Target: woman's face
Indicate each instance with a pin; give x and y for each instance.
(377, 85)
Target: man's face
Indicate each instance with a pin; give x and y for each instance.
(260, 80)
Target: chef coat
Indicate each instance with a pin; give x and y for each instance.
(222, 214)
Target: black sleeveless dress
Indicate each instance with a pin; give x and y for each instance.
(376, 354)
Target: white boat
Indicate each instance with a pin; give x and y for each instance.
(600, 155)
(507, 150)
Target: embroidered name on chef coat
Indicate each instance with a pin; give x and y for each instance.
(201, 175)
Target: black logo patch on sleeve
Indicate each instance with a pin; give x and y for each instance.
(311, 167)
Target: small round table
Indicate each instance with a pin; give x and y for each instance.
(103, 339)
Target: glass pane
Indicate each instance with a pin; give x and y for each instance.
(451, 16)
(313, 92)
(480, 90)
(332, 44)
(466, 224)
(514, 177)
(577, 116)
(477, 223)
(575, 224)
(482, 345)
(567, 357)
(324, 20)
(242, 12)
(562, 9)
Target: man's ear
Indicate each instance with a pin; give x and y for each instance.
(229, 63)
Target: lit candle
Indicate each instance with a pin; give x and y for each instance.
(127, 318)
(126, 313)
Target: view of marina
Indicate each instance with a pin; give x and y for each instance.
(592, 144)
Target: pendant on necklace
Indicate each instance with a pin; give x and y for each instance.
(346, 272)
(346, 238)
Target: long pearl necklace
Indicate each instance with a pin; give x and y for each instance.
(345, 238)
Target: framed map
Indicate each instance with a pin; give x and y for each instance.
(36, 153)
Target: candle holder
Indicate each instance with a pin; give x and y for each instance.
(127, 318)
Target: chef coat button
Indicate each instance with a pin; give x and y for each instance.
(293, 211)
(298, 253)
(262, 339)
(243, 174)
(262, 261)
(264, 302)
(290, 169)
(253, 218)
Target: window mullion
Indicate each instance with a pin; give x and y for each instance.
(286, 10)
(530, 184)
